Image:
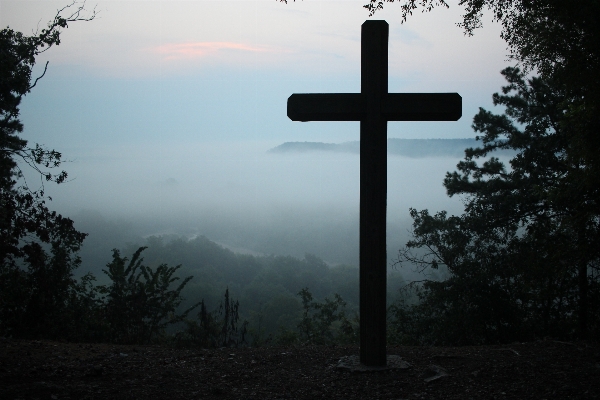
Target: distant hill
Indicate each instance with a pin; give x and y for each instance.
(415, 148)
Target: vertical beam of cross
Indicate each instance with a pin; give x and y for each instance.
(373, 193)
(373, 107)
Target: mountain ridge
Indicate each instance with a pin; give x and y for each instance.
(413, 148)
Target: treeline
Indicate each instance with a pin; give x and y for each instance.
(267, 287)
(162, 304)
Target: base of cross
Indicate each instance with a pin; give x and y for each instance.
(352, 364)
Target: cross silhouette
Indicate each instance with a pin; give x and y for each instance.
(373, 107)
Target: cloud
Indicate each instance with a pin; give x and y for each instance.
(190, 50)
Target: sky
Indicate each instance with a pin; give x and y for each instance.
(162, 105)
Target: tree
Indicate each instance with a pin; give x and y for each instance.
(33, 285)
(523, 259)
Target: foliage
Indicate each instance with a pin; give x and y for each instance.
(34, 301)
(24, 218)
(325, 322)
(271, 309)
(216, 329)
(36, 288)
(137, 307)
(408, 324)
(267, 285)
(139, 303)
(86, 312)
(523, 258)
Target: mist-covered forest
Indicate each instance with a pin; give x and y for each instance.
(512, 256)
(257, 280)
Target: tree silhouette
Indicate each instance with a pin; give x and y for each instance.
(523, 258)
(32, 282)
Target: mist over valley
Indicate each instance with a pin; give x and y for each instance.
(242, 196)
(263, 224)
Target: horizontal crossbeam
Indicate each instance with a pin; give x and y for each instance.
(422, 107)
(395, 107)
(326, 107)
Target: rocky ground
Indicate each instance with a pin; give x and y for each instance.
(538, 370)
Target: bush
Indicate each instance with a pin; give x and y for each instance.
(326, 322)
(139, 304)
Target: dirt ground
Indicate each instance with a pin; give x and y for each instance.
(538, 370)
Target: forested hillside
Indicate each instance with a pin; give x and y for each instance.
(267, 287)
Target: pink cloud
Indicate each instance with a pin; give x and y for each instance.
(201, 49)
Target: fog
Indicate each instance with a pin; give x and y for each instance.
(241, 196)
(164, 142)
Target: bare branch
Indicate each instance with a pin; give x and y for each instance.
(41, 76)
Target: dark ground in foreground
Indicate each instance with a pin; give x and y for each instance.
(537, 370)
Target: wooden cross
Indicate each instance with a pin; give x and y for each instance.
(373, 107)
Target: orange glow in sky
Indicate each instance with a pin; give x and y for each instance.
(201, 49)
